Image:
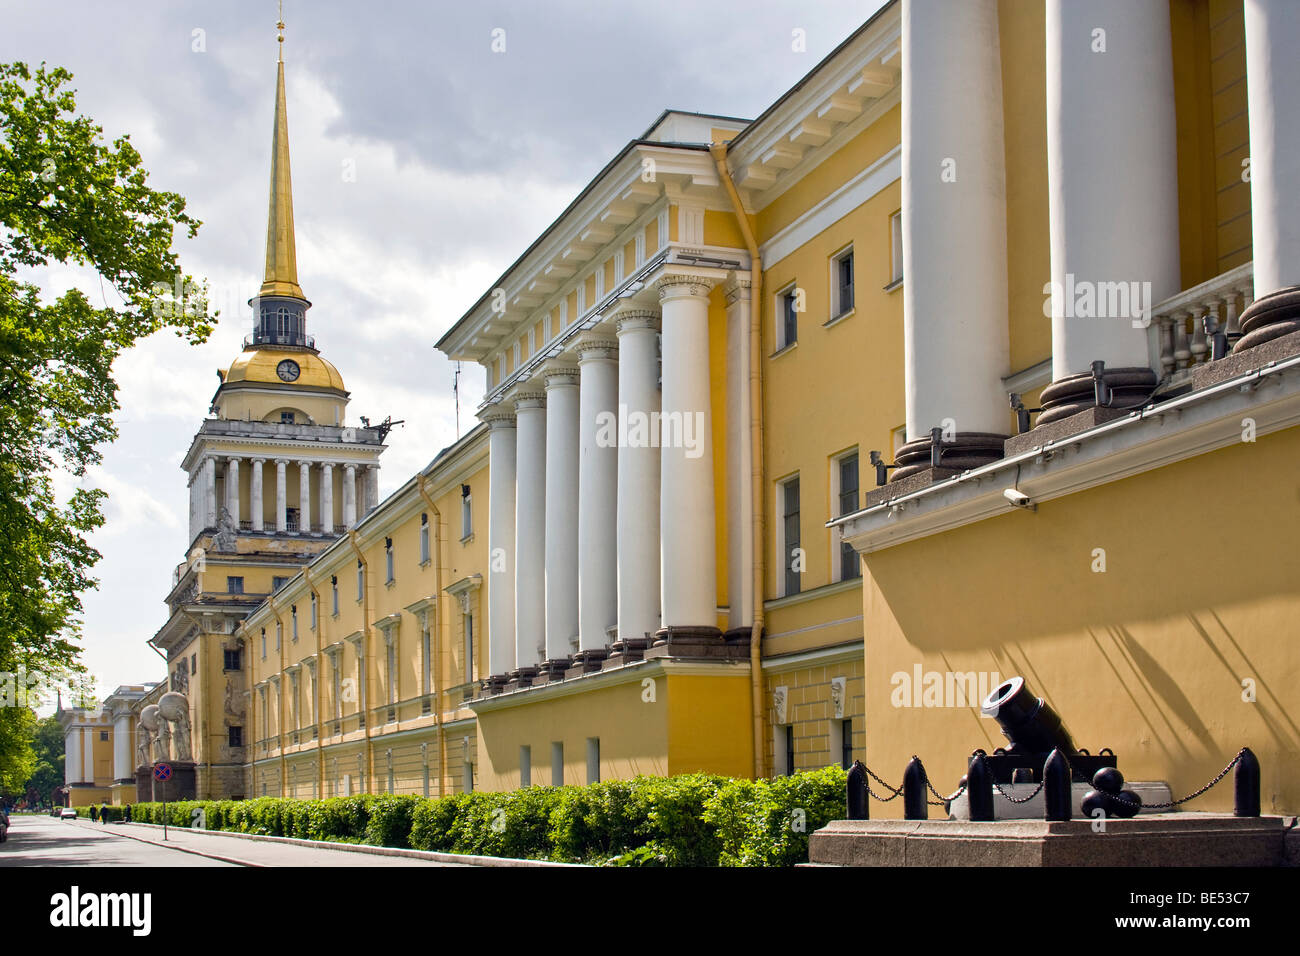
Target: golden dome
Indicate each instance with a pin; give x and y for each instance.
(261, 365)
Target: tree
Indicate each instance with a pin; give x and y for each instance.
(67, 198)
(47, 757)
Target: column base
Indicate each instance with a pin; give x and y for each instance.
(521, 677)
(1066, 397)
(1062, 428)
(553, 670)
(495, 684)
(699, 643)
(626, 651)
(586, 662)
(1275, 315)
(966, 450)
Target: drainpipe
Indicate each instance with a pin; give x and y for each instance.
(279, 694)
(435, 633)
(365, 642)
(315, 688)
(719, 153)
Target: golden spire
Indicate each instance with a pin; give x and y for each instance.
(281, 254)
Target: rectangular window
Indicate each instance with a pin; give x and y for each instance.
(557, 763)
(792, 556)
(787, 326)
(278, 582)
(466, 512)
(850, 566)
(426, 657)
(361, 581)
(235, 736)
(334, 594)
(467, 781)
(279, 634)
(846, 743)
(789, 749)
(263, 643)
(525, 765)
(424, 539)
(313, 610)
(388, 560)
(842, 283)
(232, 660)
(293, 623)
(103, 735)
(286, 418)
(593, 760)
(234, 585)
(194, 664)
(469, 647)
(896, 248)
(392, 672)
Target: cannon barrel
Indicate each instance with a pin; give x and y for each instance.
(1027, 721)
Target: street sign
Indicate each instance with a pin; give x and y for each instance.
(162, 771)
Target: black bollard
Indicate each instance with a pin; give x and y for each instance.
(857, 792)
(1057, 793)
(1245, 784)
(979, 788)
(914, 805)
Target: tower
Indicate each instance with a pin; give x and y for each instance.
(275, 476)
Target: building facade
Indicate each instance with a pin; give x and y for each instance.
(786, 415)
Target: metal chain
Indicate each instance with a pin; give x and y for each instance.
(941, 800)
(1192, 796)
(897, 790)
(998, 788)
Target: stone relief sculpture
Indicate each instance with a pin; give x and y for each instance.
(153, 724)
(837, 697)
(174, 708)
(143, 743)
(227, 529)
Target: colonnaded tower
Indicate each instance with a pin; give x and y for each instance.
(275, 476)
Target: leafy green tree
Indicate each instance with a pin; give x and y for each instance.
(67, 199)
(47, 759)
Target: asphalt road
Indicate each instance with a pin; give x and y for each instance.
(47, 841)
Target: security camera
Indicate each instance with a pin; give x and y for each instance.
(1019, 499)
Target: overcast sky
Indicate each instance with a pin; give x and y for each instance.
(462, 156)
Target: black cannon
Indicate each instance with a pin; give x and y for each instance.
(1034, 731)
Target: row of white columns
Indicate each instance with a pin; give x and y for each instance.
(586, 533)
(206, 514)
(79, 755)
(1113, 212)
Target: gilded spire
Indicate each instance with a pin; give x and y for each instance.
(281, 255)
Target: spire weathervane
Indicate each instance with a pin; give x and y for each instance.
(279, 26)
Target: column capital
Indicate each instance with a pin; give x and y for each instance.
(499, 415)
(556, 376)
(528, 398)
(596, 348)
(327, 464)
(234, 459)
(258, 461)
(676, 285)
(282, 461)
(634, 320)
(350, 466)
(737, 289)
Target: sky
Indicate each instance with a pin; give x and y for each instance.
(431, 143)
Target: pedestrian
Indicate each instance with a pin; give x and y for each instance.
(103, 813)
(126, 813)
(94, 813)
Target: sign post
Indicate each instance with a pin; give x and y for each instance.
(162, 773)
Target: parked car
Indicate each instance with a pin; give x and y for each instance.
(67, 813)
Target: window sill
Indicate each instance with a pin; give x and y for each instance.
(426, 562)
(390, 583)
(468, 538)
(784, 350)
(896, 284)
(837, 319)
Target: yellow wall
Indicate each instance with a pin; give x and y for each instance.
(1147, 658)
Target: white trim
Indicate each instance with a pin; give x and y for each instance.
(1027, 379)
(858, 190)
(823, 655)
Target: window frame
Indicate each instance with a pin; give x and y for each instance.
(895, 250)
(784, 548)
(786, 315)
(838, 310)
(839, 556)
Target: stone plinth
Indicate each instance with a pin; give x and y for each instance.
(1158, 839)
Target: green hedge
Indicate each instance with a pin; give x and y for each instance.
(687, 820)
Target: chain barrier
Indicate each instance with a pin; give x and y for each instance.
(1191, 796)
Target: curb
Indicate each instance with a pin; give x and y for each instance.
(171, 846)
(464, 859)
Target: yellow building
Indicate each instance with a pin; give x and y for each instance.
(668, 547)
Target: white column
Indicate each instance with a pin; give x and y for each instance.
(255, 492)
(122, 749)
(638, 475)
(688, 564)
(304, 497)
(372, 488)
(88, 753)
(501, 539)
(281, 496)
(597, 492)
(530, 528)
(1273, 95)
(327, 497)
(72, 764)
(232, 489)
(1113, 211)
(561, 511)
(740, 493)
(954, 218)
(349, 496)
(210, 492)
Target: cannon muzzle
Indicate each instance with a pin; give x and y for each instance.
(1027, 721)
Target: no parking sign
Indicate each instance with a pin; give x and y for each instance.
(162, 771)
